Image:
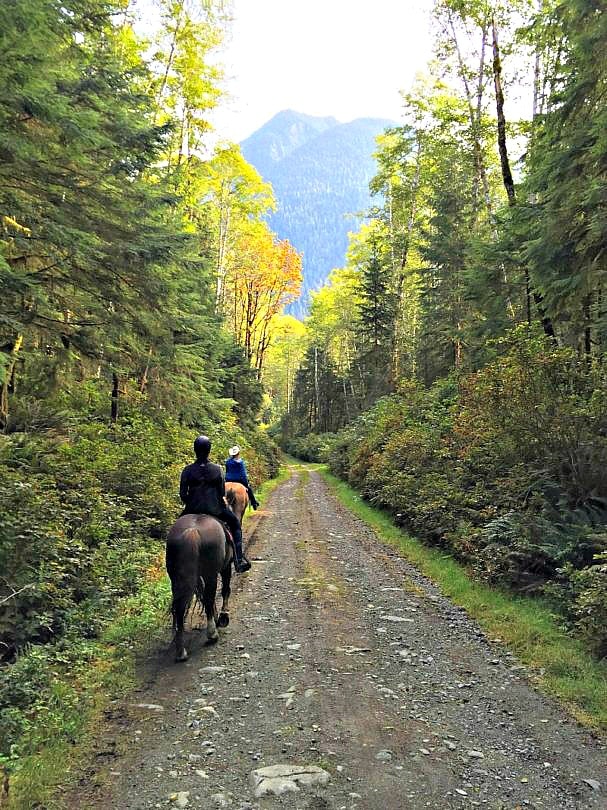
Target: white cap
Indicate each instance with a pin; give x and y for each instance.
(234, 451)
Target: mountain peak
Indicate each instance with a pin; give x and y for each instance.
(280, 136)
(292, 116)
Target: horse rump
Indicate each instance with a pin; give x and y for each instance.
(237, 498)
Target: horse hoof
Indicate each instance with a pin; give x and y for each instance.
(223, 620)
(213, 639)
(181, 656)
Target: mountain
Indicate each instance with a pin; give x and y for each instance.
(280, 137)
(320, 171)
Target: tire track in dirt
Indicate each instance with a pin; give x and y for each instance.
(343, 656)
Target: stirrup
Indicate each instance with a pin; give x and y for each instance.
(242, 566)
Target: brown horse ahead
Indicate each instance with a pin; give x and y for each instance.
(197, 553)
(237, 498)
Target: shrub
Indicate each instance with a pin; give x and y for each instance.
(588, 588)
(503, 467)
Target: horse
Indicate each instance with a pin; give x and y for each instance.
(197, 553)
(237, 498)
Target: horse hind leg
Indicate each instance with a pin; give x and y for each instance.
(224, 615)
(210, 592)
(182, 598)
(180, 565)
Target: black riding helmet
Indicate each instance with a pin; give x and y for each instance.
(202, 447)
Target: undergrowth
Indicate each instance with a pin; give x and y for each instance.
(65, 715)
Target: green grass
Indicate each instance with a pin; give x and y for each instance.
(304, 477)
(69, 717)
(561, 665)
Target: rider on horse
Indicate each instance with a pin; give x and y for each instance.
(202, 490)
(236, 471)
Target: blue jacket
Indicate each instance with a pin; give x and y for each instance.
(236, 471)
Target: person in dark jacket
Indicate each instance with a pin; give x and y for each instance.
(236, 471)
(202, 490)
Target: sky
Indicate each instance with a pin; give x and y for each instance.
(345, 58)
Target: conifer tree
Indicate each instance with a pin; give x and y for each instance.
(376, 313)
(564, 217)
(81, 230)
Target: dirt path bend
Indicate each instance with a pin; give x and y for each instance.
(342, 657)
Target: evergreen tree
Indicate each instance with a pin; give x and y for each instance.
(377, 316)
(564, 219)
(82, 232)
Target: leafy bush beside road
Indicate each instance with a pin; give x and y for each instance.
(504, 468)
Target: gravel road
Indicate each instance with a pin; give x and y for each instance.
(343, 660)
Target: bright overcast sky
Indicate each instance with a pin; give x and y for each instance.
(346, 58)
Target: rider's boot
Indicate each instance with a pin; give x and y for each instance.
(252, 499)
(241, 564)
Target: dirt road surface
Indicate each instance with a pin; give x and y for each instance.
(344, 660)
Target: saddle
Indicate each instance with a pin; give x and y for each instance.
(224, 526)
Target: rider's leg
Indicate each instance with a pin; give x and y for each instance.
(241, 564)
(252, 499)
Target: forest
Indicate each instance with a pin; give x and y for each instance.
(453, 370)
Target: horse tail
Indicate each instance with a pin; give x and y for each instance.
(231, 498)
(183, 568)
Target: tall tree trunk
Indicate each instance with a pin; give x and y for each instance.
(316, 390)
(398, 326)
(8, 383)
(115, 397)
(475, 119)
(169, 63)
(475, 116)
(505, 164)
(501, 118)
(222, 242)
(538, 105)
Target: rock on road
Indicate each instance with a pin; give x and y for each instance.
(345, 665)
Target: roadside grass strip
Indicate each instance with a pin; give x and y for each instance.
(560, 664)
(67, 717)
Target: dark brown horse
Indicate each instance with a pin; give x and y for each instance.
(197, 553)
(237, 498)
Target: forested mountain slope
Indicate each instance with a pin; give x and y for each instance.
(281, 136)
(320, 172)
